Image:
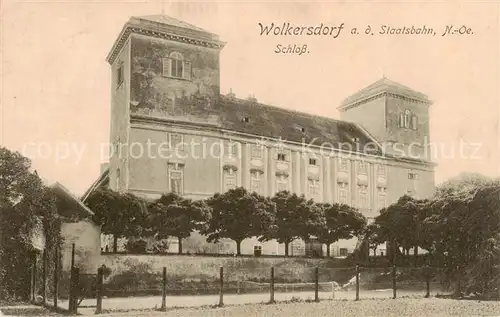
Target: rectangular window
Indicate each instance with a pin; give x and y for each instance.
(255, 182)
(312, 161)
(362, 167)
(343, 196)
(412, 176)
(257, 151)
(343, 252)
(282, 183)
(363, 197)
(175, 142)
(381, 201)
(230, 179)
(119, 75)
(117, 179)
(314, 188)
(381, 170)
(232, 149)
(281, 157)
(343, 165)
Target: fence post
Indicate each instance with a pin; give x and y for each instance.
(33, 280)
(316, 284)
(221, 295)
(357, 282)
(394, 281)
(271, 299)
(44, 276)
(56, 276)
(427, 282)
(164, 290)
(72, 256)
(75, 281)
(100, 289)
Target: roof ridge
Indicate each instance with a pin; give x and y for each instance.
(156, 18)
(383, 84)
(285, 110)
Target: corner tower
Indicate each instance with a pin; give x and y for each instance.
(395, 115)
(159, 66)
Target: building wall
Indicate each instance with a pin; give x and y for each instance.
(370, 115)
(150, 108)
(205, 167)
(86, 237)
(153, 93)
(120, 96)
(381, 116)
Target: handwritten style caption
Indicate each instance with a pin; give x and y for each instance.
(336, 31)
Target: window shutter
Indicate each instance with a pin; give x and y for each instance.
(186, 70)
(167, 66)
(414, 122)
(401, 120)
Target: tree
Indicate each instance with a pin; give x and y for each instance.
(122, 215)
(295, 217)
(173, 215)
(397, 224)
(16, 179)
(25, 205)
(338, 221)
(237, 215)
(464, 224)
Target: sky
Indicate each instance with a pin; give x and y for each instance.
(55, 90)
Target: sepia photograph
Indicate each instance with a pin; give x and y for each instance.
(249, 158)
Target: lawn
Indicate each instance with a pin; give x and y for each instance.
(418, 307)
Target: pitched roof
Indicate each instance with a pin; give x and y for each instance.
(165, 19)
(383, 85)
(103, 178)
(167, 24)
(163, 26)
(67, 199)
(274, 122)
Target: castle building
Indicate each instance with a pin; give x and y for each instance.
(181, 135)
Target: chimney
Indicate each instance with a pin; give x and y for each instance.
(252, 98)
(231, 94)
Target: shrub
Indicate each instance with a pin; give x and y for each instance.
(136, 246)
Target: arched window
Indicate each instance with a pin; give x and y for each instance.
(176, 66)
(401, 120)
(408, 116)
(414, 122)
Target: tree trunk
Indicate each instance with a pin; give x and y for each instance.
(238, 247)
(180, 245)
(328, 249)
(115, 243)
(287, 244)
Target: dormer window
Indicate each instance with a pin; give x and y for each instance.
(281, 157)
(312, 161)
(175, 66)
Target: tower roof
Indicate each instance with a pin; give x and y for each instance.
(167, 20)
(380, 86)
(166, 27)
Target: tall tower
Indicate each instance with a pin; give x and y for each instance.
(395, 115)
(160, 66)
